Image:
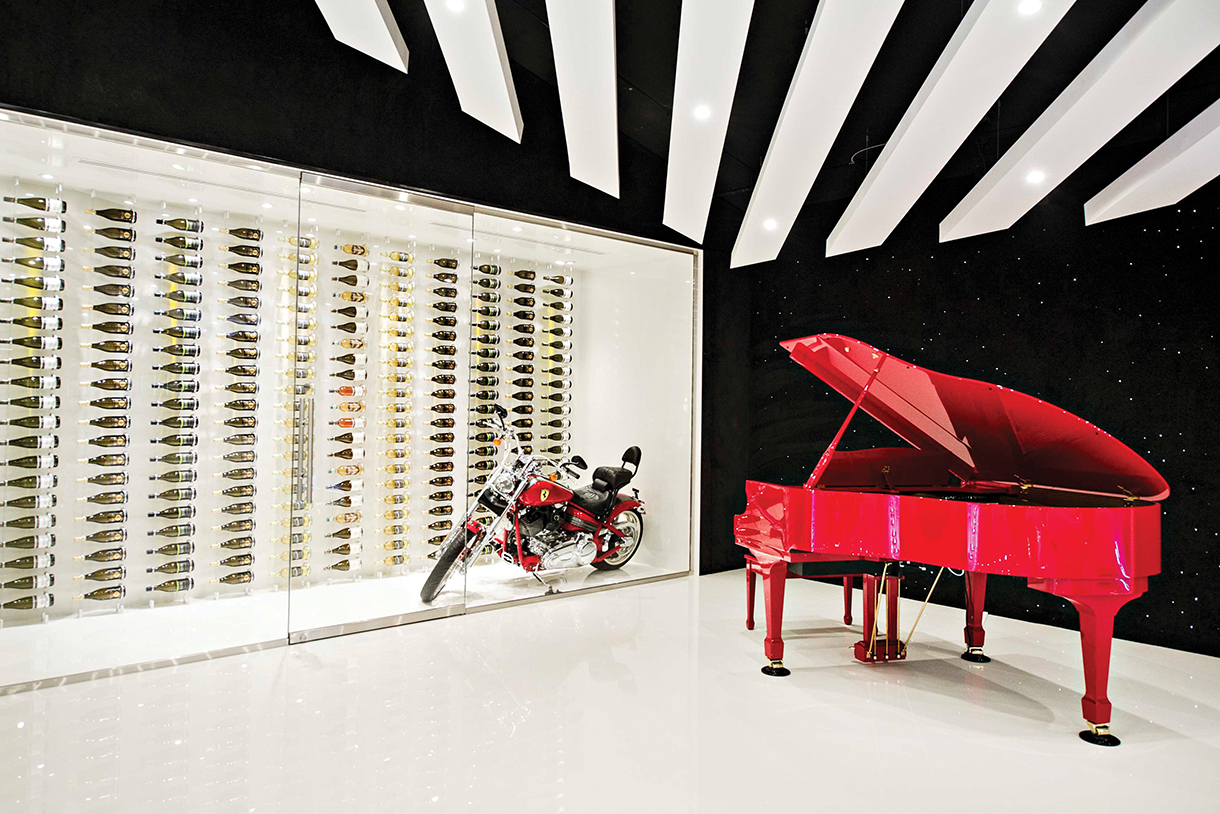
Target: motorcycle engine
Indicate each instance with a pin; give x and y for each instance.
(564, 551)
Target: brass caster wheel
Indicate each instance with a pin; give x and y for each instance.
(776, 668)
(975, 655)
(1099, 735)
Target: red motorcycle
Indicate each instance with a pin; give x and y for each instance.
(541, 524)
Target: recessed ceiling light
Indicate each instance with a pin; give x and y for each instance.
(703, 113)
(3, 117)
(516, 228)
(496, 250)
(1035, 176)
(399, 207)
(46, 176)
(1030, 6)
(180, 151)
(253, 167)
(455, 6)
(304, 190)
(312, 220)
(179, 167)
(266, 206)
(410, 237)
(470, 240)
(129, 203)
(769, 224)
(192, 200)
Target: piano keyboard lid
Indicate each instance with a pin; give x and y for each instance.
(998, 434)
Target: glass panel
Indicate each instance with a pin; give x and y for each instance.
(598, 338)
(382, 395)
(130, 416)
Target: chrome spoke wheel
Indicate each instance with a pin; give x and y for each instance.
(631, 525)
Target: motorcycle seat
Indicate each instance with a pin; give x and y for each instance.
(594, 501)
(598, 497)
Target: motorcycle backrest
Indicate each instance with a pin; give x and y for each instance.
(632, 456)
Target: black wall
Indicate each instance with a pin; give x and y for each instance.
(1114, 323)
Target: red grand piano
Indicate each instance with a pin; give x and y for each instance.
(995, 482)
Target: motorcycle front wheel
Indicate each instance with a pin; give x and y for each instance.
(447, 562)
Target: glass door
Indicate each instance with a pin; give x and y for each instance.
(380, 335)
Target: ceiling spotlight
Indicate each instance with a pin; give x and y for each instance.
(266, 206)
(1035, 176)
(312, 220)
(1029, 6)
(703, 113)
(410, 237)
(770, 225)
(4, 117)
(178, 167)
(400, 207)
(180, 151)
(253, 167)
(46, 176)
(470, 240)
(455, 6)
(516, 228)
(192, 200)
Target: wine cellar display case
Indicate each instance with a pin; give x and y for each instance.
(240, 400)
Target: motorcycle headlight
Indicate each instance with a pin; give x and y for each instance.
(504, 484)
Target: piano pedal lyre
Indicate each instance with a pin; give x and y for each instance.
(877, 646)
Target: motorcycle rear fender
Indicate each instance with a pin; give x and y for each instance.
(624, 505)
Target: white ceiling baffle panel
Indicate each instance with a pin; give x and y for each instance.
(1161, 42)
(711, 40)
(839, 50)
(369, 27)
(1184, 162)
(993, 42)
(469, 34)
(586, 70)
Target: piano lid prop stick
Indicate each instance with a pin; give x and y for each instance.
(919, 615)
(824, 461)
(872, 639)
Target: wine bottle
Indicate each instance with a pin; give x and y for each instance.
(175, 513)
(178, 385)
(35, 342)
(186, 295)
(173, 550)
(112, 309)
(192, 261)
(34, 382)
(34, 422)
(111, 459)
(188, 439)
(187, 458)
(117, 215)
(244, 473)
(106, 441)
(242, 250)
(105, 555)
(253, 286)
(114, 252)
(182, 224)
(110, 365)
(250, 269)
(181, 332)
(105, 479)
(172, 567)
(111, 574)
(192, 278)
(173, 586)
(246, 233)
(111, 327)
(109, 384)
(47, 264)
(36, 362)
(244, 543)
(182, 314)
(39, 323)
(115, 271)
(111, 346)
(180, 405)
(106, 498)
(178, 350)
(177, 494)
(32, 502)
(178, 422)
(52, 225)
(176, 476)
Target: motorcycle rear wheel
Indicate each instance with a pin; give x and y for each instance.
(631, 524)
(447, 563)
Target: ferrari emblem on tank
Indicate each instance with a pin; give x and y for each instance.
(544, 494)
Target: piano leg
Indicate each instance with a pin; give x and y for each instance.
(1096, 635)
(847, 582)
(976, 594)
(751, 578)
(774, 579)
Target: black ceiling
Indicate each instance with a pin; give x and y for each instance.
(647, 39)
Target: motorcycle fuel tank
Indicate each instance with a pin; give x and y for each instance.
(545, 493)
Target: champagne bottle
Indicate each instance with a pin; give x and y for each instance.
(250, 269)
(54, 206)
(177, 459)
(488, 283)
(237, 525)
(110, 365)
(178, 404)
(441, 466)
(182, 314)
(443, 480)
(178, 530)
(106, 555)
(178, 385)
(172, 567)
(34, 422)
(35, 342)
(236, 578)
(34, 462)
(178, 422)
(42, 244)
(106, 498)
(52, 225)
(177, 494)
(47, 264)
(36, 602)
(245, 473)
(182, 224)
(109, 384)
(244, 543)
(109, 403)
(246, 233)
(107, 517)
(32, 502)
(173, 586)
(36, 362)
(253, 286)
(188, 439)
(34, 382)
(445, 322)
(242, 250)
(400, 256)
(105, 479)
(173, 550)
(106, 441)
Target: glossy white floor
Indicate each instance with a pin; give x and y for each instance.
(642, 699)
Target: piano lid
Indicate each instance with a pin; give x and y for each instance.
(998, 434)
